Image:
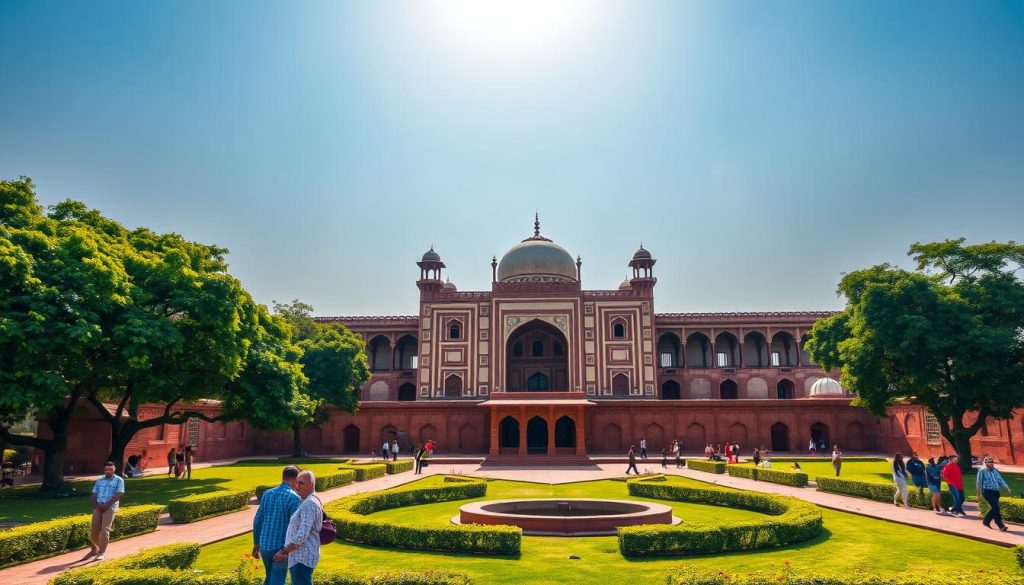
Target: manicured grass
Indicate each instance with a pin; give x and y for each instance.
(881, 470)
(848, 543)
(22, 504)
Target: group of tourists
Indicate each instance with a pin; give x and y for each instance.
(179, 462)
(389, 450)
(730, 453)
(815, 447)
(287, 527)
(989, 484)
(675, 451)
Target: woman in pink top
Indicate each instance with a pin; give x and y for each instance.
(955, 480)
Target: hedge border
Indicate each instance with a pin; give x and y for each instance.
(202, 506)
(399, 466)
(353, 517)
(694, 576)
(177, 555)
(706, 466)
(879, 491)
(367, 471)
(1012, 509)
(327, 481)
(790, 520)
(779, 476)
(39, 540)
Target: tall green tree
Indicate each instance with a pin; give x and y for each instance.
(333, 360)
(57, 283)
(949, 336)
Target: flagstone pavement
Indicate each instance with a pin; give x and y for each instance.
(231, 525)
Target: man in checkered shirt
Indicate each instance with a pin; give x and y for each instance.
(302, 543)
(106, 497)
(271, 524)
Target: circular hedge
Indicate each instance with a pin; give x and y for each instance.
(353, 518)
(788, 520)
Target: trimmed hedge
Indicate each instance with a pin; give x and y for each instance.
(162, 576)
(400, 466)
(45, 539)
(780, 476)
(324, 482)
(705, 465)
(199, 506)
(880, 491)
(178, 556)
(353, 517)
(1012, 509)
(691, 576)
(789, 520)
(366, 471)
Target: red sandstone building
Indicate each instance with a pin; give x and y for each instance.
(538, 366)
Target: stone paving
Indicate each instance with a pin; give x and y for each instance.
(230, 525)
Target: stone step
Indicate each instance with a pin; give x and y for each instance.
(538, 461)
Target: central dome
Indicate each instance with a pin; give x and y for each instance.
(537, 259)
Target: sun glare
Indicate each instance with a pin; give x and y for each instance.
(511, 27)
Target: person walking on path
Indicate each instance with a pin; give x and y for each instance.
(678, 452)
(106, 496)
(270, 525)
(385, 450)
(418, 457)
(643, 448)
(429, 446)
(172, 458)
(632, 461)
(188, 460)
(989, 483)
(915, 467)
(933, 475)
(837, 459)
(756, 457)
(394, 449)
(955, 480)
(812, 449)
(899, 477)
(302, 550)
(664, 458)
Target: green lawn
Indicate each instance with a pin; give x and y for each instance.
(849, 543)
(881, 470)
(23, 504)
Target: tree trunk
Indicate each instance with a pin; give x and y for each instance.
(297, 441)
(118, 446)
(53, 468)
(962, 445)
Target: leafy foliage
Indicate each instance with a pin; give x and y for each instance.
(949, 335)
(199, 506)
(780, 476)
(880, 491)
(705, 465)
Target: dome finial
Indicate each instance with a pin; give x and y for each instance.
(536, 224)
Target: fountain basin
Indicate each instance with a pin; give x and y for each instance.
(566, 516)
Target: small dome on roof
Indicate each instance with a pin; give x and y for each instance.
(826, 387)
(449, 285)
(642, 254)
(431, 256)
(626, 285)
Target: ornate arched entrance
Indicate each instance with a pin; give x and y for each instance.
(537, 436)
(508, 433)
(537, 359)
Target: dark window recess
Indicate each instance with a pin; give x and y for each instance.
(556, 348)
(517, 350)
(537, 349)
(455, 331)
(618, 331)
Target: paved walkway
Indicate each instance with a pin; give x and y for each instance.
(231, 525)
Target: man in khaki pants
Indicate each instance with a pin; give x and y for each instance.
(105, 496)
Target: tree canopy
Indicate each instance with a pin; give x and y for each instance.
(948, 335)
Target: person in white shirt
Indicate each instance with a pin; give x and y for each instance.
(302, 541)
(385, 450)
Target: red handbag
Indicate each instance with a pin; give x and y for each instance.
(328, 531)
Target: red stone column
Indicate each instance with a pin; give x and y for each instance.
(495, 441)
(522, 430)
(551, 430)
(581, 448)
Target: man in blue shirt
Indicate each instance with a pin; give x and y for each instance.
(106, 495)
(915, 467)
(988, 484)
(271, 524)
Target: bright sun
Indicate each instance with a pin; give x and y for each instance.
(510, 27)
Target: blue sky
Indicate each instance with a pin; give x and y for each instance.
(758, 150)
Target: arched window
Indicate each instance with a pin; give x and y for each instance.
(517, 350)
(556, 348)
(537, 349)
(454, 330)
(618, 330)
(538, 382)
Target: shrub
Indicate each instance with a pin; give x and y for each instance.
(199, 506)
(177, 556)
(780, 476)
(9, 455)
(1012, 509)
(692, 576)
(324, 482)
(366, 471)
(880, 491)
(789, 520)
(1018, 551)
(162, 576)
(44, 539)
(400, 466)
(705, 465)
(351, 516)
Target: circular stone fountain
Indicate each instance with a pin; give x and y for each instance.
(566, 517)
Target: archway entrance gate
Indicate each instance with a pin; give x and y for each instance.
(537, 423)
